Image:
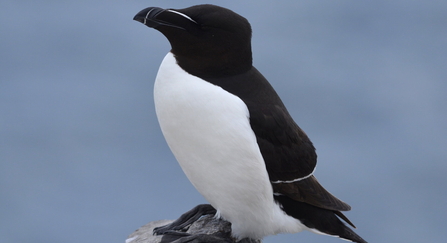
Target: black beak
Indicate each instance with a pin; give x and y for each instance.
(148, 16)
(155, 17)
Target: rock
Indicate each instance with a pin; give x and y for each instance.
(205, 225)
(144, 233)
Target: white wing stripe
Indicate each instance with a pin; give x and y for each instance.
(294, 180)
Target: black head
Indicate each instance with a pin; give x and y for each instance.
(207, 40)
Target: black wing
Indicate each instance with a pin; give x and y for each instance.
(290, 158)
(287, 151)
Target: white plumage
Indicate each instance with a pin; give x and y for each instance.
(208, 130)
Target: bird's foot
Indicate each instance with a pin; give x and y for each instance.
(191, 227)
(185, 220)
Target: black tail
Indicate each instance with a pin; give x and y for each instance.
(322, 220)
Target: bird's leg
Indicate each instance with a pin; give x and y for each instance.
(186, 219)
(175, 232)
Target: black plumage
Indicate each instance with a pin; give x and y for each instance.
(214, 44)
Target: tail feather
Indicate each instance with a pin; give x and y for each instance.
(342, 216)
(319, 220)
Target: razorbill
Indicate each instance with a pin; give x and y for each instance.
(231, 133)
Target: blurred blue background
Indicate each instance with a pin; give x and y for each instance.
(82, 158)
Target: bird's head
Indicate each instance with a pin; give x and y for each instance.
(204, 37)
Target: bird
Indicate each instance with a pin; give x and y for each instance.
(231, 133)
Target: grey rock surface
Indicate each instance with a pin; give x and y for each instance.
(144, 233)
(205, 225)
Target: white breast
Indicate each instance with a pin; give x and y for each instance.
(208, 130)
